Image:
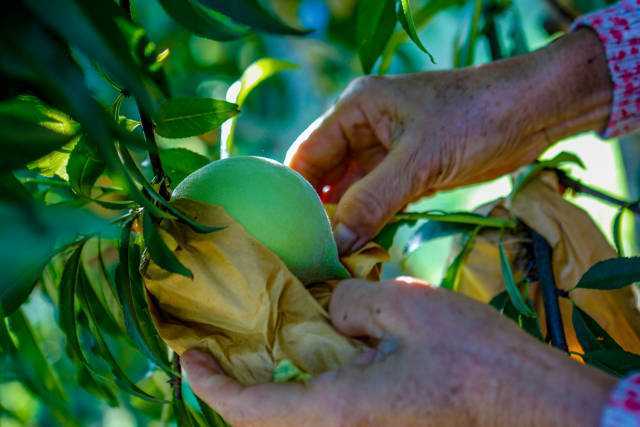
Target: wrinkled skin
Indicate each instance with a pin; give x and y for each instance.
(391, 140)
(442, 359)
(430, 368)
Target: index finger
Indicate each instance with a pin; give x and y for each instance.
(319, 150)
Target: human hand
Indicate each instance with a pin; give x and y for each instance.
(442, 359)
(391, 140)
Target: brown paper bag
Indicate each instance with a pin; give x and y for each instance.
(577, 244)
(243, 305)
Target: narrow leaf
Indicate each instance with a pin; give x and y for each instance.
(90, 302)
(185, 117)
(160, 253)
(458, 217)
(253, 14)
(84, 167)
(403, 10)
(591, 335)
(450, 279)
(202, 21)
(131, 169)
(531, 171)
(375, 22)
(617, 231)
(611, 274)
(131, 293)
(432, 230)
(616, 362)
(178, 163)
(29, 130)
(510, 284)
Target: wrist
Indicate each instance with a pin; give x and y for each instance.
(547, 388)
(560, 90)
(575, 88)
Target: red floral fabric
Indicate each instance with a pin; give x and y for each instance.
(618, 28)
(623, 409)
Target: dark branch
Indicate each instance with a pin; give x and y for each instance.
(582, 188)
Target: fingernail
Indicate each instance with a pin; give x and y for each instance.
(345, 238)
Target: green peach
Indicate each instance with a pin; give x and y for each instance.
(274, 204)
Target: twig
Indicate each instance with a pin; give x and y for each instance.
(542, 254)
(582, 188)
(149, 134)
(176, 382)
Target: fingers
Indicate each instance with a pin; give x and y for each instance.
(370, 202)
(260, 405)
(319, 150)
(362, 308)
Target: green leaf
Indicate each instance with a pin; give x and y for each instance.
(403, 11)
(158, 250)
(531, 171)
(12, 190)
(211, 417)
(29, 130)
(432, 230)
(185, 117)
(616, 362)
(286, 371)
(422, 17)
(450, 279)
(90, 303)
(252, 77)
(465, 54)
(258, 72)
(178, 163)
(591, 335)
(30, 352)
(502, 303)
(510, 284)
(84, 167)
(617, 231)
(72, 277)
(251, 13)
(375, 22)
(203, 21)
(386, 236)
(130, 167)
(132, 296)
(55, 73)
(97, 33)
(611, 274)
(458, 218)
(32, 234)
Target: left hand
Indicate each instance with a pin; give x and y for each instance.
(442, 360)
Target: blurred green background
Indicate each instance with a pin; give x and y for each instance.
(273, 116)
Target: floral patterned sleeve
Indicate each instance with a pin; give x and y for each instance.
(623, 409)
(618, 27)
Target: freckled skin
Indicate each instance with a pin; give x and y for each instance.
(441, 359)
(390, 140)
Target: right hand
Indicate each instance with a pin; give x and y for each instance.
(391, 140)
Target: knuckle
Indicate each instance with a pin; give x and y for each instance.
(362, 85)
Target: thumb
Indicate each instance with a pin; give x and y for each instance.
(371, 201)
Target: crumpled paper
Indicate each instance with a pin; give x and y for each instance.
(243, 305)
(577, 244)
